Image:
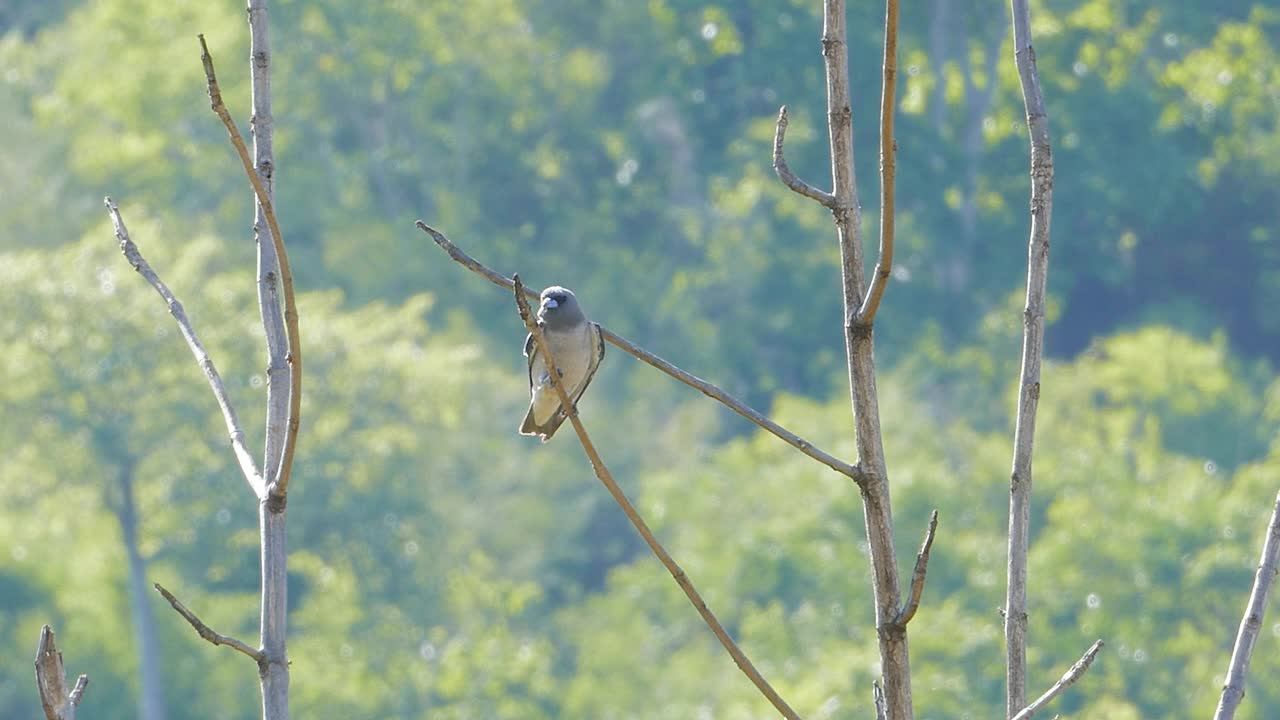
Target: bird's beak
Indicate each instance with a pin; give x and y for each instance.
(550, 304)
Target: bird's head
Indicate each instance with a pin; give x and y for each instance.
(559, 308)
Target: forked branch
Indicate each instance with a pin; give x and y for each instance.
(602, 472)
(1067, 680)
(207, 632)
(247, 466)
(702, 386)
(51, 680)
(278, 478)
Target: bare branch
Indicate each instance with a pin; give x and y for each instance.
(888, 168)
(602, 472)
(917, 577)
(278, 480)
(1015, 626)
(1251, 623)
(247, 466)
(205, 631)
(51, 680)
(895, 661)
(702, 386)
(1067, 680)
(789, 178)
(77, 692)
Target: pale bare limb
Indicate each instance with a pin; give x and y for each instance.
(205, 631)
(602, 472)
(278, 481)
(888, 168)
(51, 680)
(247, 466)
(789, 178)
(1015, 624)
(917, 577)
(702, 386)
(1251, 623)
(860, 354)
(1067, 680)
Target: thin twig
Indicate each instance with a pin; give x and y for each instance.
(1020, 479)
(1251, 623)
(279, 479)
(205, 631)
(602, 472)
(77, 692)
(51, 680)
(789, 178)
(888, 168)
(247, 466)
(1067, 680)
(702, 386)
(917, 577)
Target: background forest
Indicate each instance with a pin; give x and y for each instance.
(442, 566)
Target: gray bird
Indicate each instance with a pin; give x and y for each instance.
(577, 347)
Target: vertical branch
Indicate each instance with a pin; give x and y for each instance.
(283, 356)
(859, 346)
(1251, 623)
(888, 167)
(1015, 621)
(283, 361)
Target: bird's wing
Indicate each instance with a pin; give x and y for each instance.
(597, 356)
(531, 352)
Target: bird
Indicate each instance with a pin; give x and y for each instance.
(576, 345)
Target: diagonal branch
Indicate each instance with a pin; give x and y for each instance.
(1251, 622)
(789, 178)
(1020, 479)
(279, 476)
(131, 252)
(51, 680)
(702, 386)
(1067, 680)
(888, 169)
(606, 478)
(917, 577)
(206, 632)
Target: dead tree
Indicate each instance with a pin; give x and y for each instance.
(270, 485)
(1015, 610)
(892, 693)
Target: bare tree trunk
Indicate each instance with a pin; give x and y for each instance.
(1015, 620)
(284, 372)
(940, 29)
(860, 357)
(271, 511)
(151, 704)
(978, 103)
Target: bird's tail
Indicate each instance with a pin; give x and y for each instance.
(546, 429)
